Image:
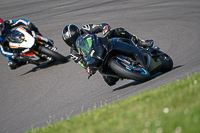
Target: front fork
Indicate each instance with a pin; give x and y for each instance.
(52, 48)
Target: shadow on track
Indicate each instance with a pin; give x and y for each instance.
(127, 85)
(46, 65)
(177, 67)
(137, 82)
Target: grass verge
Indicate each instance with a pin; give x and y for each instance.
(172, 108)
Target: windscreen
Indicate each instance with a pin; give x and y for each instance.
(15, 37)
(90, 45)
(84, 43)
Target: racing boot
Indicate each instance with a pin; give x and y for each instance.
(145, 43)
(14, 64)
(110, 80)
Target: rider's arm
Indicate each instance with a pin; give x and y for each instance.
(79, 59)
(45, 40)
(95, 28)
(15, 23)
(105, 29)
(24, 22)
(5, 53)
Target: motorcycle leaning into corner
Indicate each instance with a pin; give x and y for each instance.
(122, 58)
(23, 43)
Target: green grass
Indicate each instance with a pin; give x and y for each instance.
(172, 108)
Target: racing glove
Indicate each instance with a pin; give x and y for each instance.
(43, 39)
(145, 43)
(51, 42)
(78, 58)
(8, 22)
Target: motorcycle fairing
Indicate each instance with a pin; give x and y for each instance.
(153, 64)
(118, 45)
(95, 55)
(125, 48)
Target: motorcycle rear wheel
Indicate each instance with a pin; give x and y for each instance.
(135, 72)
(53, 54)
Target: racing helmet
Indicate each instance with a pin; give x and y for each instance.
(2, 27)
(69, 34)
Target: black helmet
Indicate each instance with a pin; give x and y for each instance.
(70, 33)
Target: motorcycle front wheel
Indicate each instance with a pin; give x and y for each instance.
(53, 54)
(167, 62)
(135, 72)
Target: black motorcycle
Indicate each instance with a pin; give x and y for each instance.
(122, 58)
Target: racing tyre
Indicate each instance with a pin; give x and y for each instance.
(167, 62)
(135, 72)
(53, 54)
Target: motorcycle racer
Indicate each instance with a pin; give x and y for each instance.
(5, 28)
(71, 32)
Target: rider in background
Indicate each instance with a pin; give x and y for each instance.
(71, 32)
(5, 28)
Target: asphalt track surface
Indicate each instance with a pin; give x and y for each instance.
(33, 96)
